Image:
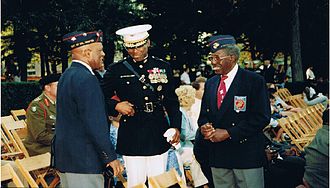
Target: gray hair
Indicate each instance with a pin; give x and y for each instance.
(232, 50)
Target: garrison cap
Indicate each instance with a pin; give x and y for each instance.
(80, 38)
(135, 36)
(49, 79)
(218, 42)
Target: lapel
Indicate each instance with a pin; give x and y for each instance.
(228, 101)
(214, 89)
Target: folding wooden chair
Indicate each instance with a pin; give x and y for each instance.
(9, 119)
(283, 93)
(316, 114)
(8, 151)
(8, 173)
(297, 101)
(314, 120)
(308, 121)
(10, 129)
(302, 126)
(19, 114)
(319, 109)
(166, 179)
(38, 166)
(141, 185)
(296, 128)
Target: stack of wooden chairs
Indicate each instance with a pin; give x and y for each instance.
(284, 93)
(301, 127)
(294, 100)
(33, 169)
(297, 101)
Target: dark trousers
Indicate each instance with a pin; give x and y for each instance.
(287, 173)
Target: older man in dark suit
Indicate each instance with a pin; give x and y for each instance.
(235, 109)
(82, 143)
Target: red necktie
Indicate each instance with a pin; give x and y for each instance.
(221, 90)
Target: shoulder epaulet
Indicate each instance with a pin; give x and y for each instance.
(37, 99)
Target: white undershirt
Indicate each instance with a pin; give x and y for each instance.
(231, 75)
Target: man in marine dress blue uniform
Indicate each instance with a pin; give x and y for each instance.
(144, 96)
(82, 143)
(235, 109)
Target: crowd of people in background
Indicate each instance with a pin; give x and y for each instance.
(119, 116)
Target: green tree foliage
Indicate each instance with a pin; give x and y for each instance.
(41, 24)
(263, 26)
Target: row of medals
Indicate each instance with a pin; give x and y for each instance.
(158, 76)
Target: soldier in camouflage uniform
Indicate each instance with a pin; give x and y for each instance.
(41, 117)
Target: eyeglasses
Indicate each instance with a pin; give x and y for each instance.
(216, 58)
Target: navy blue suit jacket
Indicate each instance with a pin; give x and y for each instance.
(82, 143)
(245, 147)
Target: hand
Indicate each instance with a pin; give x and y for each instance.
(218, 135)
(116, 167)
(125, 108)
(207, 129)
(271, 154)
(176, 137)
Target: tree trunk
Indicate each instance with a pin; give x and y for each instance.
(46, 62)
(42, 61)
(285, 61)
(21, 50)
(53, 67)
(64, 58)
(109, 53)
(297, 72)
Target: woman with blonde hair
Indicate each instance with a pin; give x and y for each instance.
(186, 95)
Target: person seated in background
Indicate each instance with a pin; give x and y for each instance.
(286, 109)
(311, 97)
(279, 77)
(276, 113)
(268, 70)
(310, 74)
(114, 126)
(186, 96)
(283, 167)
(184, 77)
(41, 117)
(317, 158)
(99, 73)
(200, 146)
(198, 85)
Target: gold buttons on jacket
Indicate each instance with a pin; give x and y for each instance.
(146, 98)
(141, 66)
(144, 87)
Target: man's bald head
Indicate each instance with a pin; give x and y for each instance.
(92, 54)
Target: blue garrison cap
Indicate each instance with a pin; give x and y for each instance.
(80, 38)
(218, 42)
